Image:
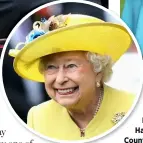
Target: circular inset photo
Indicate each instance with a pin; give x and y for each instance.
(71, 71)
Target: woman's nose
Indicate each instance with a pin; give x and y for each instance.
(61, 77)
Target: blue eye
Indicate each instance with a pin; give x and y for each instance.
(50, 67)
(71, 66)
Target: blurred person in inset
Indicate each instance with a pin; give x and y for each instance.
(73, 56)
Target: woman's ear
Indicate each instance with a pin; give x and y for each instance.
(98, 79)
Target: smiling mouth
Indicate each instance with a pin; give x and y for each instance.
(67, 90)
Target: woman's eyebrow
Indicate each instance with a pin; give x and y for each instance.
(51, 63)
(68, 60)
(72, 59)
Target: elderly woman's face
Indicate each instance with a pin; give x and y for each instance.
(69, 77)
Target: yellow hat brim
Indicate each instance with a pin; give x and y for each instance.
(102, 38)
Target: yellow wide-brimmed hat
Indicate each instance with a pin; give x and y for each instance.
(70, 32)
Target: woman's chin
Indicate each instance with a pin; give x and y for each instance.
(66, 102)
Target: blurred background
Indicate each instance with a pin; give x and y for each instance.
(131, 13)
(23, 94)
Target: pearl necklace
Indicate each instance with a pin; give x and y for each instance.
(99, 102)
(82, 130)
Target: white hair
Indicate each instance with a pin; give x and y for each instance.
(101, 63)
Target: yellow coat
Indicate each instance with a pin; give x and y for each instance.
(53, 120)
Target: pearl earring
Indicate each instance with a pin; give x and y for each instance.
(98, 84)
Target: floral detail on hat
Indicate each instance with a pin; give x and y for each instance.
(58, 22)
(33, 35)
(117, 117)
(41, 28)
